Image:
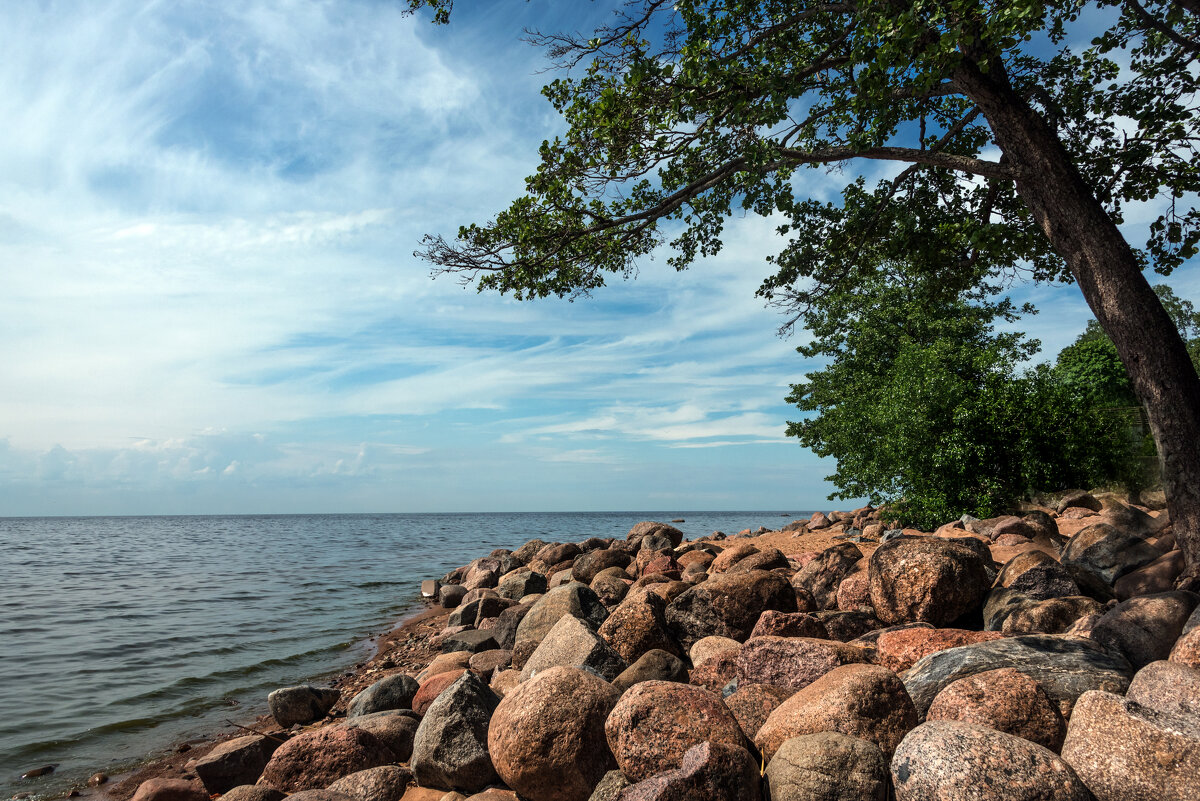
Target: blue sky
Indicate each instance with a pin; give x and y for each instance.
(208, 302)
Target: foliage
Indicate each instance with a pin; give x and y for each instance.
(682, 113)
(922, 405)
(1092, 367)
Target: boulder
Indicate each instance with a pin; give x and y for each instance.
(714, 673)
(160, 789)
(948, 759)
(505, 630)
(232, 763)
(395, 729)
(865, 701)
(1078, 498)
(1065, 667)
(1038, 575)
(451, 595)
(844, 626)
(571, 643)
(709, 771)
(517, 586)
(303, 704)
(789, 624)
(472, 641)
(899, 649)
(450, 748)
(752, 704)
(793, 662)
(854, 593)
(547, 737)
(1158, 576)
(483, 572)
(827, 766)
(1126, 752)
(385, 783)
(728, 605)
(1108, 552)
(393, 692)
(556, 553)
(587, 566)
(609, 788)
(1005, 700)
(730, 555)
(316, 759)
(486, 662)
(654, 665)
(569, 599)
(655, 722)
(926, 579)
(1187, 647)
(767, 559)
(1143, 629)
(639, 625)
(707, 647)
(505, 681)
(524, 555)
(1052, 616)
(252, 792)
(1167, 687)
(432, 687)
(610, 589)
(442, 663)
(822, 576)
(320, 795)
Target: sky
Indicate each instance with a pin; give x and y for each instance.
(209, 303)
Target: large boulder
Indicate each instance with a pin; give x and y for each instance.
(571, 643)
(728, 605)
(827, 766)
(587, 566)
(1005, 700)
(1014, 613)
(821, 576)
(316, 759)
(656, 722)
(900, 648)
(639, 625)
(303, 704)
(707, 647)
(1038, 575)
(653, 665)
(926, 579)
(232, 763)
(568, 599)
(393, 692)
(517, 585)
(864, 701)
(730, 556)
(789, 624)
(160, 789)
(1108, 552)
(450, 749)
(396, 729)
(768, 559)
(471, 611)
(751, 704)
(1065, 667)
(709, 771)
(793, 662)
(1167, 687)
(432, 687)
(1143, 629)
(547, 737)
(1126, 752)
(951, 760)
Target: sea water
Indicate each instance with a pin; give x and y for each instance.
(120, 636)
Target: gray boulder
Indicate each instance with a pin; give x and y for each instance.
(393, 692)
(1108, 552)
(1065, 667)
(384, 783)
(450, 749)
(232, 763)
(303, 704)
(394, 728)
(827, 766)
(571, 643)
(572, 598)
(1144, 628)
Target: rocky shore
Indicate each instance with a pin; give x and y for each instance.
(1043, 655)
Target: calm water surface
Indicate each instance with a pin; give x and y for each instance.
(122, 635)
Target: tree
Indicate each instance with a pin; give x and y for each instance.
(683, 111)
(921, 403)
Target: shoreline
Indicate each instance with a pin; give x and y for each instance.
(409, 634)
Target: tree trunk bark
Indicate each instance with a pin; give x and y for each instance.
(1112, 282)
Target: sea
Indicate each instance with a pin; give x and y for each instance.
(123, 636)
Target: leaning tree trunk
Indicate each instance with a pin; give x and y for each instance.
(1107, 271)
